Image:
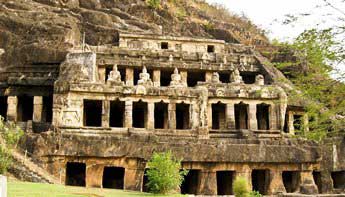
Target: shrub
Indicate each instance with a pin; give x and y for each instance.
(164, 175)
(240, 187)
(153, 3)
(255, 194)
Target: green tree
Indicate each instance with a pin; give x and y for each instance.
(164, 174)
(155, 4)
(241, 187)
(9, 137)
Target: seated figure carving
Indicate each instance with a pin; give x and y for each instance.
(235, 76)
(260, 80)
(176, 80)
(144, 78)
(114, 77)
(215, 78)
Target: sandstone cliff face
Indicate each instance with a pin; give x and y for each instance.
(34, 32)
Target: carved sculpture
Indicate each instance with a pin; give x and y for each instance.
(260, 80)
(114, 77)
(235, 76)
(176, 79)
(215, 78)
(144, 78)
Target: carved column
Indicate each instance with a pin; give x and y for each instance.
(133, 179)
(273, 118)
(12, 103)
(276, 184)
(101, 74)
(38, 109)
(209, 117)
(246, 173)
(128, 114)
(184, 76)
(290, 121)
(308, 185)
(253, 123)
(208, 76)
(230, 116)
(94, 174)
(105, 113)
(306, 122)
(208, 183)
(172, 115)
(150, 115)
(156, 78)
(129, 77)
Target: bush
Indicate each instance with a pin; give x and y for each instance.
(240, 187)
(153, 3)
(164, 175)
(9, 137)
(255, 194)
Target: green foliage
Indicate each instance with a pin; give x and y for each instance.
(155, 4)
(255, 194)
(164, 175)
(240, 187)
(9, 137)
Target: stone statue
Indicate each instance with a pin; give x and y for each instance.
(176, 79)
(215, 78)
(235, 76)
(171, 58)
(144, 78)
(260, 80)
(114, 77)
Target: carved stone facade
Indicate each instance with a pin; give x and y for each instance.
(217, 106)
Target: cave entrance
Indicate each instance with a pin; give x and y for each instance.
(161, 115)
(47, 114)
(224, 182)
(117, 112)
(260, 181)
(145, 188)
(338, 179)
(297, 122)
(113, 177)
(75, 174)
(248, 77)
(194, 76)
(139, 114)
(262, 116)
(241, 116)
(3, 106)
(291, 181)
(224, 77)
(218, 116)
(317, 180)
(25, 108)
(92, 113)
(191, 182)
(166, 77)
(182, 116)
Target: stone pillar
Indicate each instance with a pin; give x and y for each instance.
(38, 109)
(156, 78)
(230, 116)
(208, 76)
(209, 117)
(184, 76)
(12, 102)
(128, 114)
(208, 183)
(129, 76)
(246, 173)
(150, 115)
(3, 186)
(276, 184)
(105, 113)
(290, 120)
(308, 185)
(101, 74)
(273, 118)
(94, 175)
(172, 115)
(253, 123)
(134, 179)
(306, 122)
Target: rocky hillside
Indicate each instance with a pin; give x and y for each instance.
(43, 31)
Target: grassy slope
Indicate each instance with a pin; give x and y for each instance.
(25, 189)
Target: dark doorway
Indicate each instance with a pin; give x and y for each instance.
(164, 45)
(75, 174)
(139, 114)
(92, 113)
(224, 182)
(161, 115)
(145, 188)
(113, 177)
(218, 116)
(3, 106)
(117, 112)
(241, 116)
(166, 77)
(194, 77)
(317, 180)
(25, 108)
(191, 182)
(47, 114)
(262, 116)
(297, 122)
(291, 181)
(224, 77)
(260, 181)
(248, 77)
(338, 179)
(182, 116)
(210, 48)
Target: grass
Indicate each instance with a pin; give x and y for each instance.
(26, 189)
